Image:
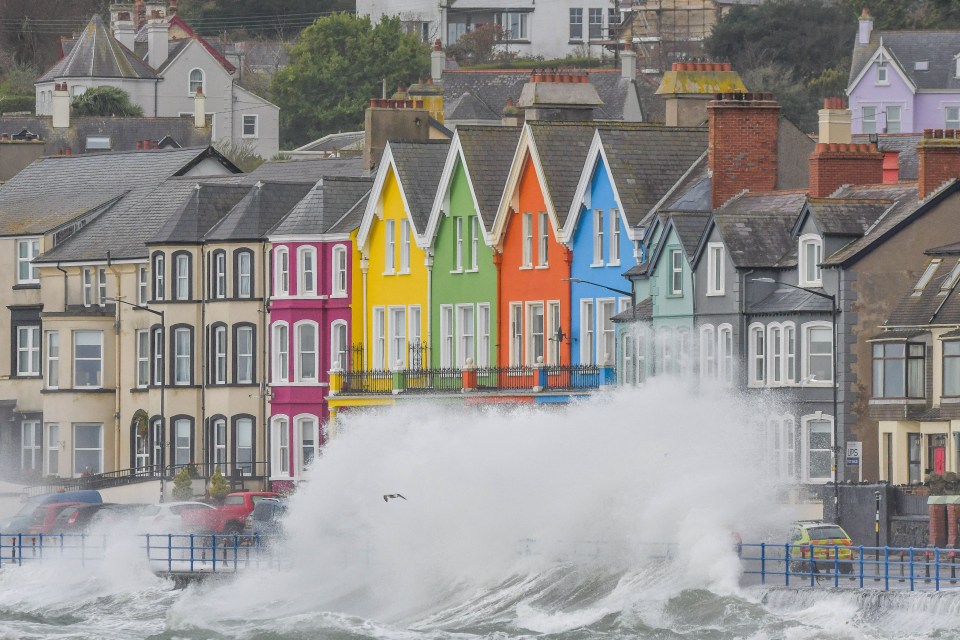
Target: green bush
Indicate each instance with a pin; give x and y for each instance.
(218, 486)
(9, 104)
(183, 485)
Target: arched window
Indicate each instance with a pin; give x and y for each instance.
(218, 446)
(725, 352)
(218, 278)
(281, 353)
(182, 441)
(242, 273)
(817, 446)
(817, 353)
(305, 337)
(708, 352)
(281, 271)
(758, 355)
(181, 275)
(197, 81)
(218, 353)
(811, 255)
(338, 345)
(307, 435)
(280, 426)
(339, 272)
(158, 281)
(243, 444)
(306, 271)
(244, 353)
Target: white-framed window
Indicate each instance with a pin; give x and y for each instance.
(414, 336)
(307, 435)
(390, 247)
(87, 448)
(882, 74)
(87, 286)
(305, 344)
(158, 375)
(182, 442)
(725, 352)
(27, 250)
(588, 333)
(868, 119)
(281, 280)
(250, 125)
(53, 449)
(606, 309)
(893, 119)
(817, 448)
(405, 246)
(543, 239)
(466, 328)
(281, 446)
(158, 282)
(182, 356)
(789, 353)
(339, 271)
(101, 286)
(527, 230)
(77, 90)
(244, 352)
(446, 336)
(181, 276)
(31, 445)
(220, 355)
(474, 243)
(899, 369)
(88, 359)
(818, 353)
(458, 243)
(676, 272)
(220, 445)
(596, 23)
(143, 294)
(398, 337)
(708, 352)
(244, 274)
(811, 255)
(219, 276)
(952, 114)
(338, 345)
(53, 359)
(758, 355)
(715, 266)
(514, 24)
(597, 238)
(28, 351)
(775, 355)
(553, 325)
(243, 447)
(576, 24)
(783, 434)
(483, 335)
(197, 81)
(516, 334)
(306, 270)
(614, 237)
(281, 353)
(142, 338)
(536, 334)
(379, 338)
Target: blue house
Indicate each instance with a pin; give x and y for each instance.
(629, 171)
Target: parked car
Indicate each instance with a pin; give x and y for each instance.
(44, 518)
(265, 521)
(823, 542)
(172, 517)
(81, 517)
(231, 516)
(20, 523)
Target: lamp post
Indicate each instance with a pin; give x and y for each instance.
(632, 294)
(162, 381)
(836, 382)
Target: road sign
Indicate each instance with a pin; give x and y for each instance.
(854, 453)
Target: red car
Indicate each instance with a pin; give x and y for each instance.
(44, 517)
(229, 517)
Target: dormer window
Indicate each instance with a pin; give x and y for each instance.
(811, 255)
(951, 281)
(882, 74)
(926, 277)
(921, 65)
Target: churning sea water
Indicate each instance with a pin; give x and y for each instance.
(518, 523)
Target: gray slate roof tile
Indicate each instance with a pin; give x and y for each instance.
(488, 152)
(933, 305)
(265, 204)
(643, 311)
(936, 48)
(757, 228)
(203, 207)
(905, 145)
(324, 206)
(419, 166)
(562, 148)
(124, 133)
(790, 300)
(905, 203)
(847, 216)
(307, 169)
(97, 54)
(690, 226)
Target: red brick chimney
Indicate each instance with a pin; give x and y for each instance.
(836, 161)
(743, 143)
(939, 153)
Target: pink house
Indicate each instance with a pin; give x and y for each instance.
(309, 311)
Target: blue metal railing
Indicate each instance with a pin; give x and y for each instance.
(886, 568)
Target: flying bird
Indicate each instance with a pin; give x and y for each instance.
(390, 496)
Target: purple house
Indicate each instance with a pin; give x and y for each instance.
(904, 81)
(309, 311)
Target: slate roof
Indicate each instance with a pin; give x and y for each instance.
(469, 107)
(307, 169)
(936, 48)
(647, 162)
(689, 226)
(933, 305)
(97, 54)
(790, 300)
(492, 88)
(694, 192)
(847, 216)
(352, 218)
(905, 144)
(905, 203)
(124, 133)
(263, 206)
(335, 142)
(757, 228)
(202, 208)
(643, 311)
(175, 45)
(562, 148)
(419, 165)
(488, 153)
(53, 191)
(324, 206)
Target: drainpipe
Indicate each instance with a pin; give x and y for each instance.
(744, 338)
(364, 267)
(497, 264)
(64, 272)
(117, 360)
(204, 277)
(265, 310)
(428, 260)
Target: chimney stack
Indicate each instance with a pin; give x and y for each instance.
(172, 9)
(939, 153)
(199, 109)
(742, 148)
(628, 62)
(688, 86)
(559, 94)
(866, 28)
(123, 25)
(438, 62)
(61, 106)
(158, 45)
(836, 161)
(393, 119)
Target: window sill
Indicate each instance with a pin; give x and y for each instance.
(404, 272)
(542, 266)
(473, 270)
(389, 273)
(338, 296)
(456, 271)
(81, 390)
(26, 285)
(596, 265)
(715, 294)
(614, 263)
(246, 137)
(811, 285)
(526, 267)
(897, 401)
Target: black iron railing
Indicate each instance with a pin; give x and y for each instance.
(506, 378)
(577, 376)
(429, 380)
(376, 381)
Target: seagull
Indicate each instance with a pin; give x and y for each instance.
(389, 496)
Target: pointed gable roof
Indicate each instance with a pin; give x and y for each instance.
(323, 207)
(97, 54)
(907, 48)
(265, 204)
(418, 166)
(204, 207)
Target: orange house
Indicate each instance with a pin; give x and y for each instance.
(534, 266)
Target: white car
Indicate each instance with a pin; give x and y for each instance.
(166, 517)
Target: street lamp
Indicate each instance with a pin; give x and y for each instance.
(836, 381)
(632, 294)
(162, 381)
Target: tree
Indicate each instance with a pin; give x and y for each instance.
(105, 101)
(182, 485)
(218, 486)
(266, 18)
(240, 152)
(478, 46)
(335, 67)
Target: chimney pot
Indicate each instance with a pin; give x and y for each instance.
(139, 145)
(68, 151)
(938, 133)
(928, 133)
(437, 45)
(156, 145)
